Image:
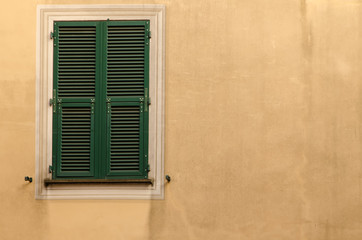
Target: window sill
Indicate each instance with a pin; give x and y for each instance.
(97, 181)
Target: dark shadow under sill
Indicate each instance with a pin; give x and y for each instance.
(48, 182)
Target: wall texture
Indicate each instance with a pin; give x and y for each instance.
(263, 127)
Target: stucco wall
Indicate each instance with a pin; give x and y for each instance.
(263, 122)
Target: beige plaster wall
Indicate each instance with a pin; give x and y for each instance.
(263, 127)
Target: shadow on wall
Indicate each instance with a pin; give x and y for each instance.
(29, 217)
(167, 218)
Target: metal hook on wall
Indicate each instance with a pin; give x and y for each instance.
(168, 178)
(29, 179)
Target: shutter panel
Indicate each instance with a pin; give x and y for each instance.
(126, 138)
(76, 155)
(125, 60)
(75, 61)
(127, 84)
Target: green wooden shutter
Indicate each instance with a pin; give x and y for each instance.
(127, 108)
(75, 61)
(100, 112)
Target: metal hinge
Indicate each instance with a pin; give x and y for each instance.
(149, 34)
(108, 105)
(53, 100)
(147, 100)
(148, 168)
(50, 168)
(51, 35)
(92, 105)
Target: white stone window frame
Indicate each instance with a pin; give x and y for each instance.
(46, 15)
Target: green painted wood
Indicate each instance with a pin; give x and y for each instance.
(127, 78)
(125, 139)
(77, 81)
(75, 69)
(100, 119)
(75, 141)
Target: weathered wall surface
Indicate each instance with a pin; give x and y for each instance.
(263, 127)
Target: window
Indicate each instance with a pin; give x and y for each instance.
(100, 91)
(99, 71)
